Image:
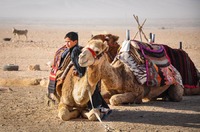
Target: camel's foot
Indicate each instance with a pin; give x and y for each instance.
(106, 96)
(114, 101)
(91, 115)
(65, 115)
(125, 98)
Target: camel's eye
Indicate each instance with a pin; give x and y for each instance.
(97, 52)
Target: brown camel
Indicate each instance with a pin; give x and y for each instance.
(73, 96)
(112, 43)
(118, 79)
(114, 47)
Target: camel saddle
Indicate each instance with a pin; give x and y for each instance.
(150, 64)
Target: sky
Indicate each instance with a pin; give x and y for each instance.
(99, 9)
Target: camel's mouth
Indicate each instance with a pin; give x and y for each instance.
(82, 63)
(85, 58)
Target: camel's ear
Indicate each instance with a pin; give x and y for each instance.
(105, 46)
(115, 38)
(92, 36)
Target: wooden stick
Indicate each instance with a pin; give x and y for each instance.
(140, 28)
(153, 38)
(180, 45)
(127, 34)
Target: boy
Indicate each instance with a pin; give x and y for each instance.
(71, 46)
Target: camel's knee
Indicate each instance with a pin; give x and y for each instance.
(113, 102)
(129, 97)
(106, 97)
(175, 93)
(63, 113)
(138, 99)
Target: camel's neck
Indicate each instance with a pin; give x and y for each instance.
(93, 75)
(85, 83)
(110, 75)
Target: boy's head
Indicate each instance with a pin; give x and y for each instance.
(71, 39)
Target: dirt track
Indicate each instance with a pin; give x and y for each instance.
(24, 109)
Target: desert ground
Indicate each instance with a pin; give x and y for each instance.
(23, 105)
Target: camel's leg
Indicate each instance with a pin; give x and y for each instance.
(192, 91)
(154, 92)
(107, 95)
(91, 114)
(65, 114)
(175, 93)
(118, 99)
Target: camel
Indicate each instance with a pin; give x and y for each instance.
(118, 79)
(112, 43)
(73, 94)
(114, 48)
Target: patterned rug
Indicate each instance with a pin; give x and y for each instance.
(182, 62)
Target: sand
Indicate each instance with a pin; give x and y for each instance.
(23, 108)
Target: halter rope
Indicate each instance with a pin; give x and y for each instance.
(109, 129)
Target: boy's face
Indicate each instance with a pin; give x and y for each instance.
(70, 43)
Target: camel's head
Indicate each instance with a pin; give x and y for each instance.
(112, 43)
(111, 39)
(92, 52)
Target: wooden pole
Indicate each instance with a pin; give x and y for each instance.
(180, 45)
(150, 37)
(127, 34)
(153, 38)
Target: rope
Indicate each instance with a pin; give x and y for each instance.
(109, 129)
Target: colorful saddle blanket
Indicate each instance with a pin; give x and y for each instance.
(183, 63)
(159, 69)
(156, 69)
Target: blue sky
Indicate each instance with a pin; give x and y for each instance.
(100, 8)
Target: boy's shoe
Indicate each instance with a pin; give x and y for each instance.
(106, 112)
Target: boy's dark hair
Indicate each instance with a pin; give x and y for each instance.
(72, 35)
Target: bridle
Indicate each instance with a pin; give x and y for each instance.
(96, 56)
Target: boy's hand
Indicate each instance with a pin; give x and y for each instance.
(75, 73)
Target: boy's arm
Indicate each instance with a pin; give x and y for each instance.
(74, 57)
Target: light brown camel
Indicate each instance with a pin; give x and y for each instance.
(118, 79)
(114, 47)
(73, 96)
(112, 43)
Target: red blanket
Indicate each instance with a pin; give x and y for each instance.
(182, 62)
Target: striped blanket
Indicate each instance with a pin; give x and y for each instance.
(54, 69)
(156, 69)
(182, 62)
(160, 72)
